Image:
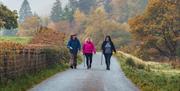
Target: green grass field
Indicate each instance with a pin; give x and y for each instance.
(150, 76)
(22, 40)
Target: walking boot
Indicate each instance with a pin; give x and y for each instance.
(88, 67)
(108, 68)
(75, 67)
(71, 67)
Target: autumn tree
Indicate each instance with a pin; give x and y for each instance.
(158, 27)
(30, 26)
(79, 16)
(80, 20)
(98, 25)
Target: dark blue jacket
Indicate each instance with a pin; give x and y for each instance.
(75, 45)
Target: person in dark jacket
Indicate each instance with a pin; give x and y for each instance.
(74, 47)
(108, 48)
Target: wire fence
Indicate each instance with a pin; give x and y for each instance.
(16, 62)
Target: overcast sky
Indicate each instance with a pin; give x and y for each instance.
(42, 7)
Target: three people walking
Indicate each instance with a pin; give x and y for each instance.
(89, 49)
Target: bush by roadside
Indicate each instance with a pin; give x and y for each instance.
(28, 65)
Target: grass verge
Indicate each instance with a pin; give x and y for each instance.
(150, 76)
(27, 81)
(21, 40)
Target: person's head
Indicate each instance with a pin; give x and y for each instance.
(108, 38)
(73, 37)
(88, 39)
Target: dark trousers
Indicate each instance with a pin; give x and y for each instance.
(73, 61)
(107, 59)
(89, 59)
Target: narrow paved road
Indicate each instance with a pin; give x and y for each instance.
(95, 79)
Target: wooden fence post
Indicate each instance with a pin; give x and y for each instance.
(5, 61)
(15, 70)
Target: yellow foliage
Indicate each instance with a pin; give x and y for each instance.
(79, 16)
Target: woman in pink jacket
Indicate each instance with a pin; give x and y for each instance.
(88, 50)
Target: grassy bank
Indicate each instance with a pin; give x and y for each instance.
(27, 81)
(22, 40)
(150, 76)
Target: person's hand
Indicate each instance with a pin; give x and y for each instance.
(70, 48)
(83, 53)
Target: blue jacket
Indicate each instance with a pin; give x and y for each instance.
(74, 46)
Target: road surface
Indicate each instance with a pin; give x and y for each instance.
(95, 79)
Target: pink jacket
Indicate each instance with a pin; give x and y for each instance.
(88, 47)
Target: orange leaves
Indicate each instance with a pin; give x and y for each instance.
(137, 26)
(136, 23)
(9, 47)
(49, 37)
(159, 23)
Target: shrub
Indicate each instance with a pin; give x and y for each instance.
(130, 62)
(10, 45)
(140, 66)
(178, 52)
(48, 36)
(56, 55)
(31, 59)
(10, 48)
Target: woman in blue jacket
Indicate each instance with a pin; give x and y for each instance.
(74, 47)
